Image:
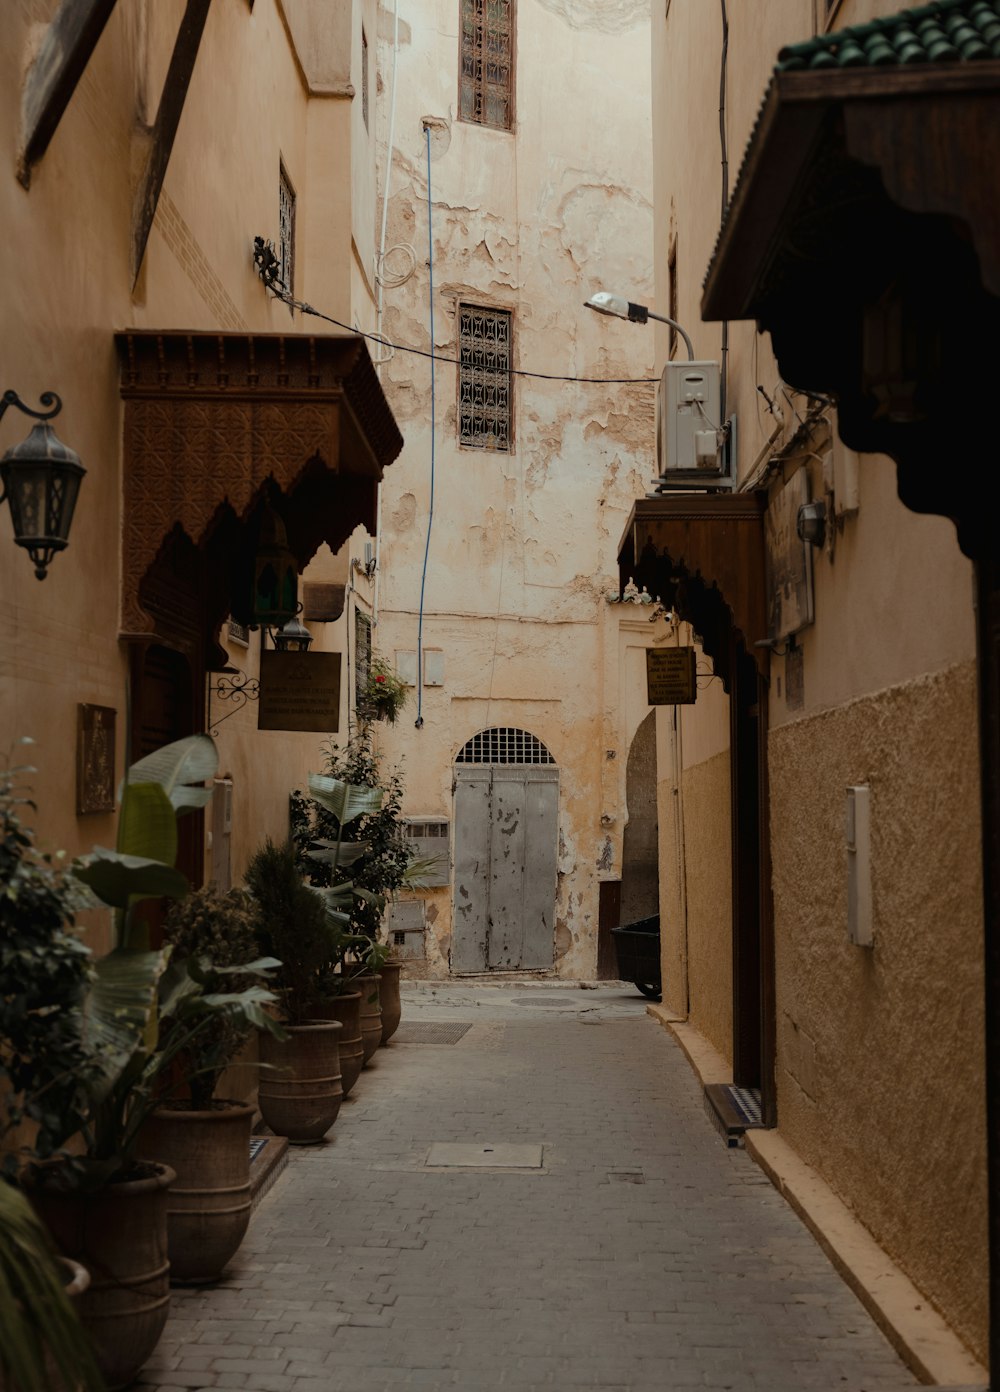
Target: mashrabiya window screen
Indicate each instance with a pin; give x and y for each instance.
(504, 745)
(362, 652)
(286, 229)
(486, 84)
(484, 381)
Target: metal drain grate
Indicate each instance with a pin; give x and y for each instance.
(733, 1110)
(257, 1144)
(431, 1032)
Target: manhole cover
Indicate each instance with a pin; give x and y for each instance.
(571, 1000)
(483, 1156)
(431, 1032)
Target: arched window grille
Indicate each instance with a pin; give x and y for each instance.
(504, 745)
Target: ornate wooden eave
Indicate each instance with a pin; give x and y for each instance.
(704, 554)
(864, 236)
(214, 422)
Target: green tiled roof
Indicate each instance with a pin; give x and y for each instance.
(945, 31)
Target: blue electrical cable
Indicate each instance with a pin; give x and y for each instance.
(430, 513)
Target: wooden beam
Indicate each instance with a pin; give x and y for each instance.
(58, 66)
(168, 116)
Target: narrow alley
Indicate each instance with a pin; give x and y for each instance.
(640, 1253)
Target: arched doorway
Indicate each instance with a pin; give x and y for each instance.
(506, 791)
(640, 892)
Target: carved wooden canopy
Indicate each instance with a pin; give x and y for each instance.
(704, 554)
(216, 423)
(864, 236)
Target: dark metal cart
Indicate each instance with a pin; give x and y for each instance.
(637, 947)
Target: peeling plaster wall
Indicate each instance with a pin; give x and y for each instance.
(524, 546)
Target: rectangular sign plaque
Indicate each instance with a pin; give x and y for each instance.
(299, 691)
(671, 676)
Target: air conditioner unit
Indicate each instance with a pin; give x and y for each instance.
(691, 444)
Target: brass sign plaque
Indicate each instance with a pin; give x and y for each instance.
(95, 759)
(299, 691)
(671, 676)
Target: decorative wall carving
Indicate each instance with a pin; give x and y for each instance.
(211, 419)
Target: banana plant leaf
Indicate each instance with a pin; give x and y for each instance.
(147, 823)
(118, 1012)
(345, 800)
(187, 761)
(118, 880)
(38, 1325)
(331, 853)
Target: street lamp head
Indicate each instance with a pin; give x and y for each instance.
(617, 306)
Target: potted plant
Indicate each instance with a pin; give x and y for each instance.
(204, 1139)
(300, 1092)
(383, 695)
(103, 1205)
(43, 1345)
(372, 856)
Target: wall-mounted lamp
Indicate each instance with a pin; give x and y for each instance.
(292, 637)
(621, 308)
(811, 523)
(40, 480)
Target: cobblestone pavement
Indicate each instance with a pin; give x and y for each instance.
(642, 1255)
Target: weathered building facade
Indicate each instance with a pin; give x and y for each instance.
(819, 809)
(147, 146)
(535, 178)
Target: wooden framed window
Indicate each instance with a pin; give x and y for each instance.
(486, 68)
(484, 379)
(286, 229)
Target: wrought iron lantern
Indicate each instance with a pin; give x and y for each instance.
(40, 480)
(292, 636)
(275, 576)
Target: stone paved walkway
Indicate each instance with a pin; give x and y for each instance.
(644, 1254)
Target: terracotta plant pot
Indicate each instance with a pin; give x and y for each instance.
(371, 1012)
(119, 1233)
(209, 1206)
(300, 1093)
(389, 996)
(347, 1009)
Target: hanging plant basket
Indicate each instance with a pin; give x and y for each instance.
(383, 695)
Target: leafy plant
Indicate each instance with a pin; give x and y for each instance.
(216, 929)
(39, 1330)
(373, 855)
(115, 1025)
(45, 971)
(295, 925)
(383, 695)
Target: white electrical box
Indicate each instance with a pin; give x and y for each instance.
(690, 441)
(858, 830)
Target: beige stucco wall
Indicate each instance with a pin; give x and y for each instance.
(880, 1050)
(879, 1072)
(249, 106)
(523, 550)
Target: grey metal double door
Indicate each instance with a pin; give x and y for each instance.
(506, 828)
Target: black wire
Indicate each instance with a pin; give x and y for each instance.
(440, 357)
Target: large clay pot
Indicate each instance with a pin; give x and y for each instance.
(300, 1093)
(371, 1012)
(389, 996)
(347, 1009)
(119, 1233)
(209, 1206)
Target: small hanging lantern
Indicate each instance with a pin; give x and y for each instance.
(40, 480)
(292, 637)
(275, 577)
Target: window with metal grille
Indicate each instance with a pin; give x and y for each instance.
(364, 78)
(286, 229)
(504, 745)
(484, 380)
(362, 653)
(428, 839)
(486, 82)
